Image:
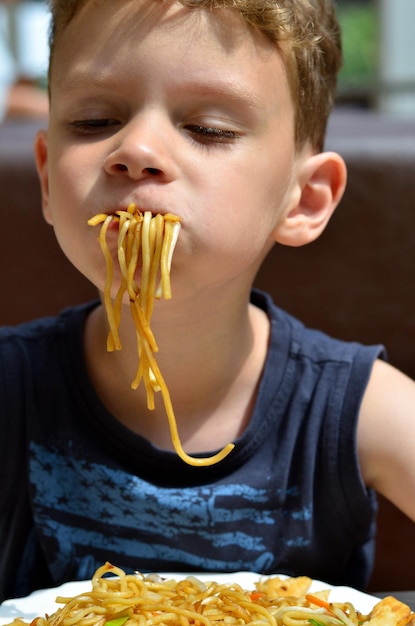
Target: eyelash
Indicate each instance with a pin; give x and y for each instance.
(204, 134)
(92, 126)
(212, 134)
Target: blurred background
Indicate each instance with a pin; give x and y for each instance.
(379, 51)
(23, 58)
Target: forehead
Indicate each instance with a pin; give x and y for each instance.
(106, 30)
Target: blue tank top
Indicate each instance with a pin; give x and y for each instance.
(77, 488)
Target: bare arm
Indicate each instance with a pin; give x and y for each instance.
(386, 436)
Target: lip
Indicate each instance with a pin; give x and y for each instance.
(141, 209)
(113, 211)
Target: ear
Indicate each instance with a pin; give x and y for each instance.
(322, 180)
(41, 158)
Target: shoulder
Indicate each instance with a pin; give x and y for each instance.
(313, 344)
(33, 341)
(386, 436)
(330, 374)
(37, 329)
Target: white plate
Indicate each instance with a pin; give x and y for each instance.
(43, 601)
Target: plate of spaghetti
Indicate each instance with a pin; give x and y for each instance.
(114, 598)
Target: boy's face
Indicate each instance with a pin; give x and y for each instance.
(179, 111)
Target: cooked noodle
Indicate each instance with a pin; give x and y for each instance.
(138, 600)
(149, 241)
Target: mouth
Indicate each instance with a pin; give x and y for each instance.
(124, 219)
(131, 211)
(143, 239)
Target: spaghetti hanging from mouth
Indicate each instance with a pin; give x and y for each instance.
(148, 242)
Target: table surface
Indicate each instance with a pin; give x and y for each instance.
(408, 597)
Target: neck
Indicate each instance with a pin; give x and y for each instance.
(210, 360)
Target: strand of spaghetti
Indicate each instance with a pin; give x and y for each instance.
(124, 227)
(152, 240)
(159, 231)
(115, 344)
(117, 304)
(343, 617)
(98, 577)
(117, 311)
(150, 380)
(238, 602)
(64, 614)
(294, 616)
(142, 326)
(133, 257)
(84, 613)
(170, 236)
(133, 240)
(349, 609)
(145, 373)
(154, 262)
(190, 460)
(195, 616)
(145, 259)
(139, 375)
(143, 335)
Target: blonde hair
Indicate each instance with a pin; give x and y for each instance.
(305, 31)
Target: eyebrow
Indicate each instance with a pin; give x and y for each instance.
(238, 93)
(233, 91)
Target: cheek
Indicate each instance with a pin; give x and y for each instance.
(65, 211)
(254, 195)
(239, 213)
(68, 188)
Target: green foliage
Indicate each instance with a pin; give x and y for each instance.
(359, 25)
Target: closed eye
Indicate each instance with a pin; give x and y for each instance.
(212, 134)
(92, 126)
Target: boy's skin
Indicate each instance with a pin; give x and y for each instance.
(160, 77)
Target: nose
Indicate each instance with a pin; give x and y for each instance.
(142, 149)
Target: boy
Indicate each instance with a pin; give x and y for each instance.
(214, 111)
